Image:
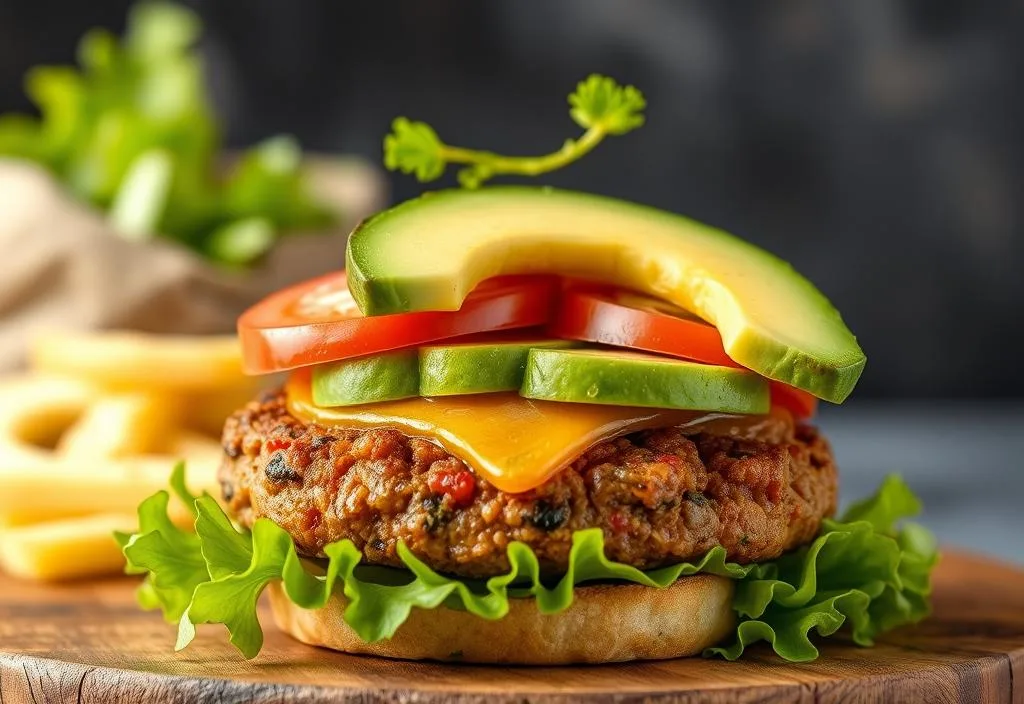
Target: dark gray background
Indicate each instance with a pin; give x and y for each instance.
(876, 144)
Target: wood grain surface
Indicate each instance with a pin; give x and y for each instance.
(89, 643)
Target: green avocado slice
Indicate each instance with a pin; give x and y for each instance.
(476, 368)
(634, 379)
(429, 253)
(380, 377)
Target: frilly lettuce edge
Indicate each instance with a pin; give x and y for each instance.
(865, 571)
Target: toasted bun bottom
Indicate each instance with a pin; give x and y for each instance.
(606, 623)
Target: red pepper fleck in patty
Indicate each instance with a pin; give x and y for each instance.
(311, 518)
(277, 444)
(618, 521)
(459, 485)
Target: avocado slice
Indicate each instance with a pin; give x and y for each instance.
(476, 368)
(429, 253)
(380, 377)
(635, 379)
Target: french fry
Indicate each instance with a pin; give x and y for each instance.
(120, 426)
(139, 362)
(66, 490)
(95, 431)
(69, 549)
(35, 412)
(79, 477)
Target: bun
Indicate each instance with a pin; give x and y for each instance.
(606, 623)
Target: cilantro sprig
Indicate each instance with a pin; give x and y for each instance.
(599, 105)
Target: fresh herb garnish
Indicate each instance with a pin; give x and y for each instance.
(599, 105)
(131, 132)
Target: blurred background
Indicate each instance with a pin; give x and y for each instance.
(877, 145)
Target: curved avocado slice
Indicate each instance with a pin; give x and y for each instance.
(634, 379)
(429, 253)
(380, 377)
(477, 367)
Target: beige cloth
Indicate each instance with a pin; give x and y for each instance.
(63, 267)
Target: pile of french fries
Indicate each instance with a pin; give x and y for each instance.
(94, 428)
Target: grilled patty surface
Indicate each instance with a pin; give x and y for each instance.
(660, 496)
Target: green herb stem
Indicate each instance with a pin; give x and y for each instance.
(599, 105)
(486, 164)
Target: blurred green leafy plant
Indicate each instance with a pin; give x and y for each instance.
(131, 131)
(599, 105)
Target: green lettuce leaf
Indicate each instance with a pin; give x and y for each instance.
(863, 572)
(170, 557)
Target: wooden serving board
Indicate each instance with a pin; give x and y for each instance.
(89, 643)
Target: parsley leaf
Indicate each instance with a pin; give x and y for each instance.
(414, 147)
(601, 102)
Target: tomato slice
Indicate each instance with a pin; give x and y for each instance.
(318, 321)
(797, 401)
(626, 319)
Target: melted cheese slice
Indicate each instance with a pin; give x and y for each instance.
(513, 442)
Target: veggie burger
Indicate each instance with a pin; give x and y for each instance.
(537, 426)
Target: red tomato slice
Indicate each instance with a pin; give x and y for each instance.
(626, 319)
(797, 401)
(318, 321)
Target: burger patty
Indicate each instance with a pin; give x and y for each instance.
(660, 496)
